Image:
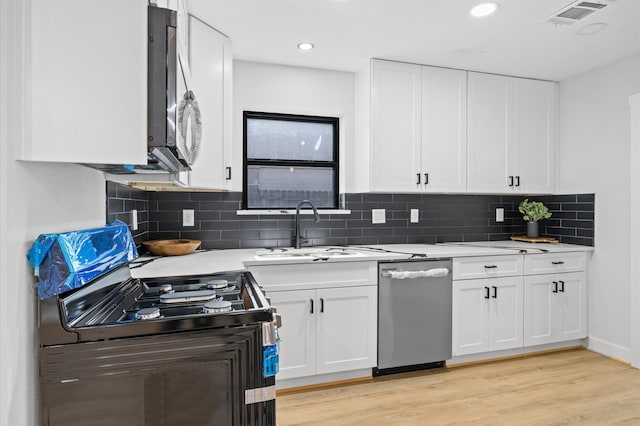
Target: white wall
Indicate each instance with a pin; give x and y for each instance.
(34, 198)
(634, 229)
(593, 156)
(293, 90)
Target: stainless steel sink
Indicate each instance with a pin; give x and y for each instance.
(307, 253)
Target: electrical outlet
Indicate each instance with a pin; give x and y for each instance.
(415, 215)
(134, 220)
(378, 216)
(188, 218)
(499, 214)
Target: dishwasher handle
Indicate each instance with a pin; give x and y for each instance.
(409, 275)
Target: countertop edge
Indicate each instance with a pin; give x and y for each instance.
(216, 261)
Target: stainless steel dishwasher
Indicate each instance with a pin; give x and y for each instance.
(414, 315)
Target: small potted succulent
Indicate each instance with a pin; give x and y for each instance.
(533, 211)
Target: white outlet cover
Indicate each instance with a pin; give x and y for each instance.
(134, 220)
(188, 217)
(378, 216)
(415, 215)
(499, 214)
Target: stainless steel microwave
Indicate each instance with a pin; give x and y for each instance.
(163, 153)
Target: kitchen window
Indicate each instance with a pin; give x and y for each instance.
(289, 158)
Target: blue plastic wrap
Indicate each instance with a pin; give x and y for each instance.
(270, 360)
(69, 260)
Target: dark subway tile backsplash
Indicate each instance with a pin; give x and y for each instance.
(442, 218)
(121, 201)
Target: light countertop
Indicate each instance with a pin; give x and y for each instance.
(531, 248)
(213, 261)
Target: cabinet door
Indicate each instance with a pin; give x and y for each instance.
(571, 305)
(87, 87)
(489, 129)
(505, 313)
(346, 330)
(395, 126)
(469, 323)
(444, 129)
(534, 135)
(210, 63)
(298, 332)
(538, 310)
(555, 308)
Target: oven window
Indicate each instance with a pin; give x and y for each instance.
(289, 158)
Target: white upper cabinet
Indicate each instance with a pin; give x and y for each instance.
(210, 63)
(418, 128)
(86, 82)
(511, 134)
(395, 126)
(444, 129)
(535, 135)
(488, 139)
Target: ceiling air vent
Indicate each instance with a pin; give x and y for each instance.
(575, 12)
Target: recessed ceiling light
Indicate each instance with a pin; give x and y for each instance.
(591, 29)
(305, 45)
(484, 9)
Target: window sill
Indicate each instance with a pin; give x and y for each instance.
(285, 212)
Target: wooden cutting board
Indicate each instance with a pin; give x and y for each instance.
(534, 240)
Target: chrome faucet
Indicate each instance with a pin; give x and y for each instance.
(315, 214)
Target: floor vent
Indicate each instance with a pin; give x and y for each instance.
(575, 11)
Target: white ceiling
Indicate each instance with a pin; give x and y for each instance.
(517, 40)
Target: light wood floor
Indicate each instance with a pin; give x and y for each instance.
(569, 387)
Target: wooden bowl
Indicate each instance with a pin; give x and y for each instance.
(172, 247)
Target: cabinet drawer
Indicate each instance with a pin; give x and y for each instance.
(302, 276)
(551, 263)
(466, 268)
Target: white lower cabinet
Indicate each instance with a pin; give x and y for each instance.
(297, 355)
(346, 329)
(487, 315)
(556, 308)
(326, 331)
(329, 316)
(514, 301)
